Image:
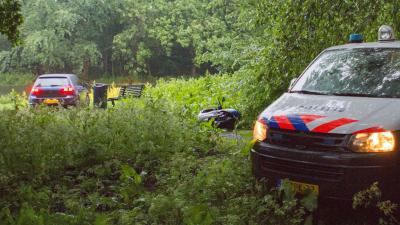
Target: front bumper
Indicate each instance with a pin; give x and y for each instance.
(339, 175)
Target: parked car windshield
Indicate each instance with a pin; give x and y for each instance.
(371, 72)
(52, 81)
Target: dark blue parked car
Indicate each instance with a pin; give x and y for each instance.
(58, 89)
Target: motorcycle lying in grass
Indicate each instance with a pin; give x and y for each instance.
(221, 118)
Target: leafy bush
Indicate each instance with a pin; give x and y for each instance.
(13, 100)
(16, 79)
(139, 163)
(186, 97)
(146, 161)
(371, 199)
(134, 164)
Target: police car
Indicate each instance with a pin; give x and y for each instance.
(336, 130)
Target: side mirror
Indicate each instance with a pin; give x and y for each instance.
(292, 82)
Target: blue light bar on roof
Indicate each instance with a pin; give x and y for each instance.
(355, 38)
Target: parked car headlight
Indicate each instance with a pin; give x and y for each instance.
(260, 130)
(373, 142)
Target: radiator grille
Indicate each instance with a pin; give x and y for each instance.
(307, 141)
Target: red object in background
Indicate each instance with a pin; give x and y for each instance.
(67, 91)
(28, 89)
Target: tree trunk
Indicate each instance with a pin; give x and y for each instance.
(105, 63)
(194, 70)
(193, 55)
(112, 67)
(148, 68)
(85, 69)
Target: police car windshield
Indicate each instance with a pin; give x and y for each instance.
(370, 72)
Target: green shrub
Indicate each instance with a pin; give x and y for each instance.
(186, 97)
(16, 79)
(13, 100)
(146, 161)
(138, 163)
(371, 200)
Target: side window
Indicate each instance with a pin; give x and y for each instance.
(74, 80)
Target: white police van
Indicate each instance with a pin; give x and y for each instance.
(336, 130)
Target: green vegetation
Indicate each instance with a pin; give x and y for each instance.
(145, 38)
(13, 100)
(16, 79)
(10, 19)
(138, 163)
(148, 161)
(135, 164)
(186, 97)
(264, 43)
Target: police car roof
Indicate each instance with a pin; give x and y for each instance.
(58, 75)
(382, 44)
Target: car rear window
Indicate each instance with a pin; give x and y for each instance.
(51, 81)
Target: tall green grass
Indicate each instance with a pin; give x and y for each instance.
(136, 164)
(146, 161)
(186, 97)
(16, 79)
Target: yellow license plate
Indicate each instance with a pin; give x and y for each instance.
(51, 101)
(302, 188)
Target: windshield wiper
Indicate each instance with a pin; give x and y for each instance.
(310, 92)
(363, 95)
(343, 94)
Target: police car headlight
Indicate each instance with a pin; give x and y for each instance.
(373, 142)
(260, 130)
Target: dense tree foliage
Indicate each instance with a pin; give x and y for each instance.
(130, 37)
(270, 41)
(293, 32)
(10, 19)
(148, 160)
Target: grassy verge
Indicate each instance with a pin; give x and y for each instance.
(186, 97)
(136, 164)
(16, 79)
(13, 100)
